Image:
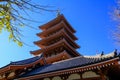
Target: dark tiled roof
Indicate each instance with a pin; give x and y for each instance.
(26, 61)
(23, 62)
(70, 63)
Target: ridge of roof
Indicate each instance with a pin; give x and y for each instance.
(23, 62)
(111, 54)
(26, 61)
(80, 61)
(102, 55)
(68, 59)
(61, 15)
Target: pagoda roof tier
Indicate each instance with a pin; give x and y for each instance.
(62, 55)
(55, 28)
(21, 64)
(37, 52)
(62, 42)
(41, 43)
(56, 21)
(73, 65)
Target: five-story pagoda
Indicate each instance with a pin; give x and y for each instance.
(57, 41)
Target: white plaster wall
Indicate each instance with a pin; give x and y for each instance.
(46, 79)
(11, 74)
(56, 78)
(89, 74)
(73, 76)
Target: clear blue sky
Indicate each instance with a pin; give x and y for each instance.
(90, 18)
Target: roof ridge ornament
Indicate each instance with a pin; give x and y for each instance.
(115, 52)
(58, 12)
(102, 53)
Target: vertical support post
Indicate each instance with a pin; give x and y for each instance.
(81, 78)
(102, 76)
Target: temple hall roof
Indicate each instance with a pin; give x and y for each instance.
(23, 62)
(80, 61)
(26, 61)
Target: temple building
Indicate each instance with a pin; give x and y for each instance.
(58, 59)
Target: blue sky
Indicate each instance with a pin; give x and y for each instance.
(90, 18)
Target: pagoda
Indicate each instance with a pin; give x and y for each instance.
(57, 58)
(57, 41)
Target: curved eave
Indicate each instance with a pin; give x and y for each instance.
(36, 52)
(55, 21)
(58, 44)
(88, 67)
(45, 26)
(15, 67)
(60, 33)
(3, 70)
(62, 42)
(55, 28)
